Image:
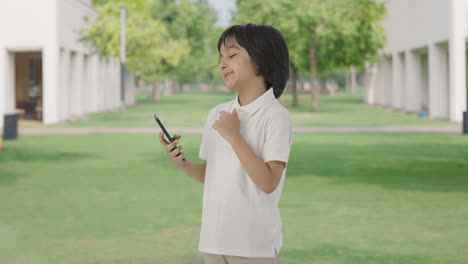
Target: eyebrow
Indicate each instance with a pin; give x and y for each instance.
(230, 46)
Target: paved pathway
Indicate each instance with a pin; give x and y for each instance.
(187, 130)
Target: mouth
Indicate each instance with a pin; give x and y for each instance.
(226, 75)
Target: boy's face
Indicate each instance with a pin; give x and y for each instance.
(237, 68)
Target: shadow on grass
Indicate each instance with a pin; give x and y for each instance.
(16, 156)
(37, 155)
(8, 176)
(408, 166)
(333, 254)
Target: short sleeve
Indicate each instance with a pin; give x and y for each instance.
(278, 138)
(204, 145)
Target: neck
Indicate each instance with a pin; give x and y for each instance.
(251, 92)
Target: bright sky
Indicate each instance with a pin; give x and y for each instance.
(224, 8)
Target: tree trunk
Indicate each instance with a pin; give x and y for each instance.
(294, 86)
(348, 81)
(178, 87)
(168, 87)
(156, 91)
(314, 87)
(353, 80)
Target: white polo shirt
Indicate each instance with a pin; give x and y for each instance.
(238, 218)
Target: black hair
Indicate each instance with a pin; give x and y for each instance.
(267, 48)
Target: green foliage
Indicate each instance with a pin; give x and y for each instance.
(350, 34)
(164, 37)
(344, 32)
(195, 22)
(280, 14)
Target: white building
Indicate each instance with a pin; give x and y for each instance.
(423, 67)
(45, 72)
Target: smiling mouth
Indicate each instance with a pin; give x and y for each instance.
(227, 74)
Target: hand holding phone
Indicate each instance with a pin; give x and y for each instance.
(170, 139)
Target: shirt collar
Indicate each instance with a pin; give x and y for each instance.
(254, 106)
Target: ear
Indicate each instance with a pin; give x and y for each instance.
(256, 67)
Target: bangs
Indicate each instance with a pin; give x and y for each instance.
(237, 33)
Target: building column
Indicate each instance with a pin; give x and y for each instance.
(457, 60)
(101, 88)
(398, 81)
(388, 82)
(72, 88)
(3, 82)
(379, 89)
(85, 92)
(64, 105)
(51, 84)
(413, 86)
(438, 82)
(370, 83)
(105, 84)
(424, 81)
(93, 82)
(116, 82)
(110, 82)
(113, 88)
(78, 85)
(7, 83)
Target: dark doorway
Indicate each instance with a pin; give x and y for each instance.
(28, 85)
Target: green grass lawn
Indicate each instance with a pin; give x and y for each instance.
(190, 109)
(360, 198)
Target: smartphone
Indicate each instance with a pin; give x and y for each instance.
(165, 132)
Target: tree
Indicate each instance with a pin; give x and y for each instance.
(342, 33)
(329, 34)
(150, 48)
(255, 11)
(167, 39)
(195, 22)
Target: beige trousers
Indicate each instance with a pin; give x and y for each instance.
(222, 259)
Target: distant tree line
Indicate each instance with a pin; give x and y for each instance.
(175, 40)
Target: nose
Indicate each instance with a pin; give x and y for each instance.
(222, 64)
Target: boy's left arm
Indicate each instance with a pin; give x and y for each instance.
(266, 175)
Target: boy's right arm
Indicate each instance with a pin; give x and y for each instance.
(194, 170)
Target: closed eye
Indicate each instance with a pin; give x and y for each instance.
(232, 55)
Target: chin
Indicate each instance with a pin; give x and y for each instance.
(230, 87)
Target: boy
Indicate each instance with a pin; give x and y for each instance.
(246, 144)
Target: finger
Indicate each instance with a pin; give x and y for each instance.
(176, 136)
(180, 152)
(181, 157)
(162, 140)
(176, 151)
(172, 145)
